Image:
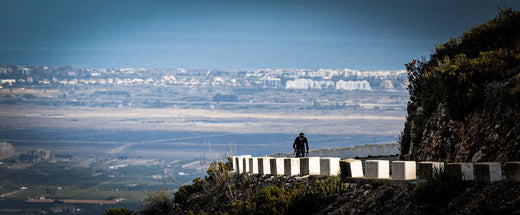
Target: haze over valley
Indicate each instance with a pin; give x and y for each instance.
(103, 121)
(228, 103)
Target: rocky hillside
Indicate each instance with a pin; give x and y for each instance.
(465, 100)
(222, 192)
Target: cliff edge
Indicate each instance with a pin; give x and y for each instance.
(464, 100)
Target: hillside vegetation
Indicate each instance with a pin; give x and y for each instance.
(464, 100)
(223, 192)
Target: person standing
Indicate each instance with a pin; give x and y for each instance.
(301, 146)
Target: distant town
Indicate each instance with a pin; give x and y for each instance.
(289, 89)
(13, 76)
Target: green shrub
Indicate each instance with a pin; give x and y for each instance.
(158, 202)
(295, 200)
(269, 200)
(201, 212)
(119, 211)
(326, 188)
(218, 171)
(272, 200)
(317, 195)
(181, 196)
(439, 188)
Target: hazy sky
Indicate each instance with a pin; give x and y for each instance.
(217, 34)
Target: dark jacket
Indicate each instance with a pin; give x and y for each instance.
(301, 144)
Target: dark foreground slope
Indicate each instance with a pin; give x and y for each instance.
(223, 193)
(465, 100)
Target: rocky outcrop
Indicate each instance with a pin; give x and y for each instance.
(492, 134)
(465, 101)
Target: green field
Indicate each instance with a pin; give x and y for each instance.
(86, 179)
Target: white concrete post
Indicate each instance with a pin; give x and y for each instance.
(351, 168)
(376, 169)
(237, 165)
(277, 165)
(253, 165)
(426, 169)
(329, 166)
(245, 165)
(240, 163)
(463, 170)
(310, 166)
(513, 171)
(488, 172)
(234, 163)
(292, 166)
(264, 165)
(403, 170)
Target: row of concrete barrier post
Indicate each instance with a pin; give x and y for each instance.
(374, 169)
(326, 166)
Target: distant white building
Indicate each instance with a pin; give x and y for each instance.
(7, 81)
(308, 84)
(299, 84)
(353, 85)
(272, 82)
(349, 73)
